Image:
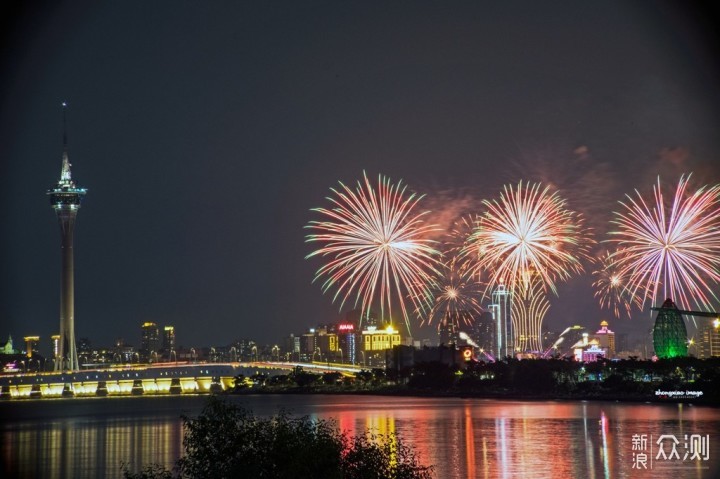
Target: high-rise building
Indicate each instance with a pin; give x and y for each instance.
(500, 308)
(308, 346)
(529, 307)
(150, 342)
(483, 332)
(346, 342)
(65, 198)
(291, 347)
(708, 338)
(448, 329)
(31, 343)
(168, 340)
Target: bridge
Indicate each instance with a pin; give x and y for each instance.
(149, 379)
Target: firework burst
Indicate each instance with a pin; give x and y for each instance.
(528, 233)
(377, 248)
(610, 288)
(456, 296)
(670, 248)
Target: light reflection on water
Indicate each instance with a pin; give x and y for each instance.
(463, 438)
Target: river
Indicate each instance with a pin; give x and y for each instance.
(462, 438)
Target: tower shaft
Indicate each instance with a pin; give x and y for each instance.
(68, 348)
(65, 199)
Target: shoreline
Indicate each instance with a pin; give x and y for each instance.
(509, 396)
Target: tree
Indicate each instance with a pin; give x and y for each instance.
(226, 441)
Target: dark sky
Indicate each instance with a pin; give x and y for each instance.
(205, 132)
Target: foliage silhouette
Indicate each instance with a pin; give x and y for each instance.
(226, 441)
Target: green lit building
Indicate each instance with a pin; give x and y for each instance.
(669, 332)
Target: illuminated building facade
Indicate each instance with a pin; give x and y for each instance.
(380, 339)
(500, 309)
(529, 307)
(8, 348)
(376, 341)
(168, 339)
(150, 341)
(291, 348)
(708, 342)
(326, 343)
(669, 333)
(568, 341)
(31, 343)
(55, 345)
(65, 198)
(592, 353)
(606, 339)
(346, 342)
(308, 345)
(483, 331)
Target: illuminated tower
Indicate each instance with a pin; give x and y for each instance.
(529, 307)
(65, 199)
(55, 338)
(669, 333)
(502, 299)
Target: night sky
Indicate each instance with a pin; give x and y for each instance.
(206, 131)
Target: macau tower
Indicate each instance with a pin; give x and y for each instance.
(65, 198)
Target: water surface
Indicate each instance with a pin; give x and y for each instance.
(462, 438)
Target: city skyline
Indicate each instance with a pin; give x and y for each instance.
(206, 151)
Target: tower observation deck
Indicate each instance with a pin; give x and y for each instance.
(65, 198)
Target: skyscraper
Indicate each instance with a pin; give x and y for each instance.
(501, 307)
(65, 199)
(168, 341)
(150, 342)
(529, 307)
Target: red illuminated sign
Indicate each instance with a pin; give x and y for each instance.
(345, 327)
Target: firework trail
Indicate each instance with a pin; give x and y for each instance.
(670, 249)
(529, 233)
(610, 288)
(377, 248)
(456, 244)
